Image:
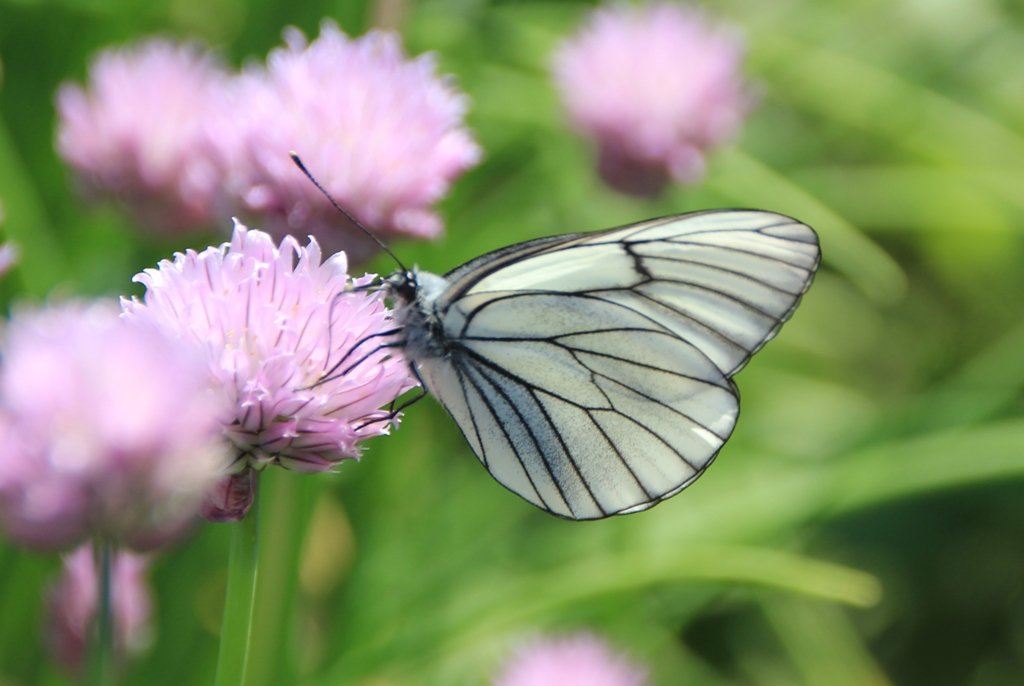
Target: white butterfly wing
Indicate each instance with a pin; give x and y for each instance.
(572, 411)
(724, 280)
(590, 373)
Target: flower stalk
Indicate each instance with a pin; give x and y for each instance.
(288, 500)
(101, 654)
(236, 627)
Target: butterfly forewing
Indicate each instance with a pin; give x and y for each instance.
(591, 373)
(725, 280)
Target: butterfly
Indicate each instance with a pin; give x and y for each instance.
(592, 373)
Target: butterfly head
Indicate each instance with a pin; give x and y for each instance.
(403, 285)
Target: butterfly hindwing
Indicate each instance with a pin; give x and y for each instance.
(590, 411)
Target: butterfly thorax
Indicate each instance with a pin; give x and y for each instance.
(416, 294)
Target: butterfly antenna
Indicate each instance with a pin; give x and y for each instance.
(348, 215)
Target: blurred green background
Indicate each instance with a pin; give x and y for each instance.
(865, 524)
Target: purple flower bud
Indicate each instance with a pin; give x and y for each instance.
(230, 498)
(655, 88)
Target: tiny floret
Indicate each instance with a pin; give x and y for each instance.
(656, 88)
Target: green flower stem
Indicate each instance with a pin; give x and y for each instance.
(236, 627)
(288, 502)
(101, 655)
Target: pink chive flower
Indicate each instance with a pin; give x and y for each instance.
(108, 430)
(275, 324)
(382, 133)
(138, 132)
(656, 88)
(577, 660)
(71, 607)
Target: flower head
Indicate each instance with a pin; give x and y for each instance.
(577, 660)
(278, 327)
(108, 429)
(71, 606)
(383, 134)
(656, 88)
(138, 132)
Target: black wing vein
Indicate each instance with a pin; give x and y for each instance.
(508, 438)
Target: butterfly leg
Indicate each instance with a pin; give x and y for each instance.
(333, 372)
(393, 411)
